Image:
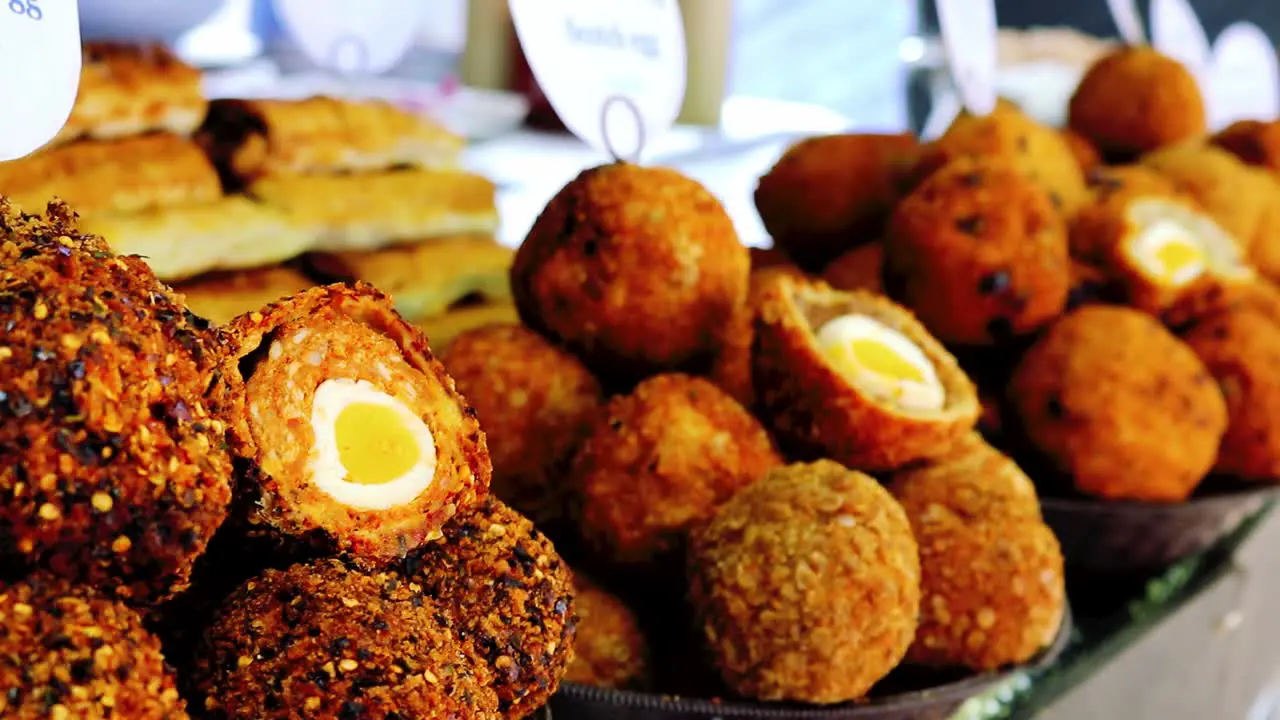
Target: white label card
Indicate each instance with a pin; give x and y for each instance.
(1243, 81)
(1128, 21)
(1177, 32)
(352, 38)
(40, 52)
(613, 70)
(969, 41)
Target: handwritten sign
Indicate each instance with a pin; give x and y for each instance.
(969, 41)
(40, 51)
(352, 38)
(1242, 81)
(1128, 21)
(1177, 32)
(613, 70)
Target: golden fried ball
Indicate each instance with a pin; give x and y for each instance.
(858, 269)
(1112, 190)
(609, 649)
(636, 270)
(1241, 348)
(1009, 135)
(828, 194)
(806, 585)
(1086, 155)
(1134, 100)
(992, 591)
(661, 460)
(1255, 142)
(978, 253)
(1119, 404)
(974, 481)
(853, 377)
(535, 403)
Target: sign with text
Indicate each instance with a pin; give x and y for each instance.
(40, 51)
(1128, 21)
(1178, 33)
(613, 70)
(968, 30)
(1243, 77)
(350, 38)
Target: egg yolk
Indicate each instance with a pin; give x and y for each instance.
(374, 445)
(1177, 256)
(870, 354)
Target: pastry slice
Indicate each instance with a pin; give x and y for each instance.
(373, 211)
(220, 297)
(254, 138)
(182, 242)
(426, 278)
(114, 176)
(134, 89)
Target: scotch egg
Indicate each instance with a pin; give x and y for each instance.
(854, 377)
(354, 436)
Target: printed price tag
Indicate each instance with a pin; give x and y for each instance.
(613, 70)
(1243, 80)
(40, 51)
(1128, 21)
(969, 41)
(1177, 32)
(352, 38)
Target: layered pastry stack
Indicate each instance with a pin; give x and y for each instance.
(240, 202)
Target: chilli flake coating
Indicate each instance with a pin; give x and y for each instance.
(355, 437)
(113, 471)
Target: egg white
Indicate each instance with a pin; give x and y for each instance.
(1157, 222)
(325, 463)
(909, 394)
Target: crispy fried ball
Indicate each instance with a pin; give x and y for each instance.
(1242, 350)
(992, 590)
(113, 471)
(806, 585)
(1117, 403)
(1244, 200)
(828, 194)
(66, 652)
(978, 253)
(1010, 136)
(320, 640)
(661, 460)
(821, 403)
(637, 270)
(1086, 155)
(609, 649)
(1255, 142)
(1134, 100)
(1112, 191)
(859, 269)
(511, 597)
(535, 403)
(973, 481)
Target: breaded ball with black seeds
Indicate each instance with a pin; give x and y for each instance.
(1010, 136)
(113, 471)
(1117, 403)
(806, 585)
(831, 193)
(853, 377)
(1112, 191)
(1255, 142)
(535, 403)
(859, 269)
(978, 253)
(661, 460)
(320, 640)
(1133, 100)
(609, 649)
(66, 652)
(510, 596)
(1242, 350)
(992, 590)
(1086, 155)
(974, 481)
(636, 270)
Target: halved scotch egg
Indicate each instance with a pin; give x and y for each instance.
(355, 437)
(853, 377)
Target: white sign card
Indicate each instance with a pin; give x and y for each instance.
(40, 52)
(1128, 21)
(352, 38)
(1177, 32)
(969, 42)
(1242, 81)
(614, 71)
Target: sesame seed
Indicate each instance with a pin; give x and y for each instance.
(121, 545)
(102, 502)
(347, 665)
(23, 610)
(49, 511)
(5, 353)
(40, 311)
